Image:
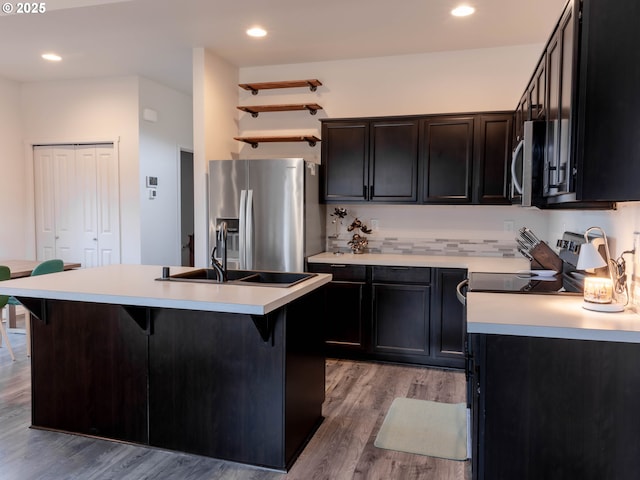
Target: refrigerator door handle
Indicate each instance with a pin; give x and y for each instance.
(249, 230)
(242, 234)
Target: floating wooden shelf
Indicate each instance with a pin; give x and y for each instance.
(254, 141)
(254, 110)
(254, 88)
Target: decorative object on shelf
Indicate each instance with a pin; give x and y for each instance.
(608, 293)
(339, 213)
(358, 242)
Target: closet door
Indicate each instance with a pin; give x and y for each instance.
(108, 195)
(77, 204)
(44, 203)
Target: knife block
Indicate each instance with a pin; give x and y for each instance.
(544, 258)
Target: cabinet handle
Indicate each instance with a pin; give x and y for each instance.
(333, 265)
(364, 192)
(371, 192)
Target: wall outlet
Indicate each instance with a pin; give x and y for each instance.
(375, 225)
(508, 225)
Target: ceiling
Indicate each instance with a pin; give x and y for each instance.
(154, 38)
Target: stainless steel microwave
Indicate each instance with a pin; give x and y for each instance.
(527, 164)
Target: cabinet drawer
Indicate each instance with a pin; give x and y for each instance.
(402, 274)
(340, 271)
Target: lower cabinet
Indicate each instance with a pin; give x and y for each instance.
(554, 408)
(392, 313)
(347, 305)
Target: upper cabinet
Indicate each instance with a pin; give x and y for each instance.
(447, 159)
(585, 88)
(559, 72)
(607, 147)
(430, 159)
(370, 160)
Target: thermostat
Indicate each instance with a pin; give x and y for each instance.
(152, 182)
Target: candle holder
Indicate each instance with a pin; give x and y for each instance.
(600, 293)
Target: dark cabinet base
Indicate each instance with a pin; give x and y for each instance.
(555, 408)
(394, 314)
(201, 382)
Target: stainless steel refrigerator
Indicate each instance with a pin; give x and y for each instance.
(272, 209)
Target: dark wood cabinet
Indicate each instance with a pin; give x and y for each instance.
(492, 162)
(447, 159)
(559, 71)
(370, 160)
(431, 159)
(585, 88)
(346, 326)
(394, 313)
(345, 156)
(448, 326)
(554, 408)
(608, 102)
(401, 298)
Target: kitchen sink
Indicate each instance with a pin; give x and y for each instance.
(242, 277)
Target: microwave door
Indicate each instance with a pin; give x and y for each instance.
(522, 167)
(516, 172)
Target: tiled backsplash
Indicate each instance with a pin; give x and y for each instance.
(430, 246)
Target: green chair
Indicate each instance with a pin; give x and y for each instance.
(5, 274)
(48, 266)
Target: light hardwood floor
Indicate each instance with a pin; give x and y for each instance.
(358, 397)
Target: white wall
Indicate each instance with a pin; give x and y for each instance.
(13, 194)
(215, 117)
(462, 81)
(89, 110)
(160, 144)
(619, 224)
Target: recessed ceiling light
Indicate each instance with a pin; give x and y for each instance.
(257, 32)
(52, 57)
(462, 11)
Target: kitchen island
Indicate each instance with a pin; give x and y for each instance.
(229, 371)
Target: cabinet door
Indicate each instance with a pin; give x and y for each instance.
(401, 319)
(393, 167)
(608, 148)
(446, 159)
(559, 96)
(538, 90)
(346, 327)
(448, 327)
(493, 159)
(345, 157)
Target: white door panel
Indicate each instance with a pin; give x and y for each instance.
(77, 204)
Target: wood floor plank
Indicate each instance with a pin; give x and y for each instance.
(358, 396)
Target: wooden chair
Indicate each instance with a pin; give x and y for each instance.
(5, 274)
(48, 266)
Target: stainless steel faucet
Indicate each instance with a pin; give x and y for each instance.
(221, 241)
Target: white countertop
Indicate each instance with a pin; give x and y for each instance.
(552, 316)
(136, 285)
(472, 264)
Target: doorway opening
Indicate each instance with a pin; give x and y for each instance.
(186, 208)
